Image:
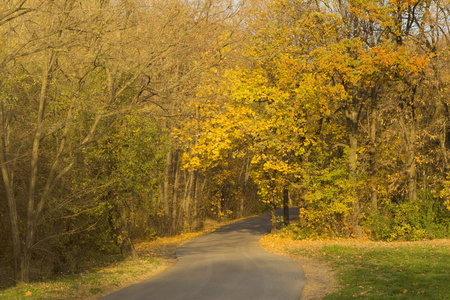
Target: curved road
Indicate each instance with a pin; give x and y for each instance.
(226, 264)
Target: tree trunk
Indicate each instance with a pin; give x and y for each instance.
(244, 189)
(409, 133)
(273, 214)
(286, 206)
(194, 221)
(176, 186)
(219, 206)
(187, 199)
(444, 143)
(117, 222)
(166, 186)
(13, 217)
(352, 117)
(372, 153)
(411, 164)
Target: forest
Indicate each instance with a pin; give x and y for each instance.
(127, 120)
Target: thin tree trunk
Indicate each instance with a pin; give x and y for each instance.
(176, 186)
(118, 224)
(411, 164)
(13, 217)
(8, 184)
(372, 152)
(166, 186)
(352, 117)
(444, 143)
(199, 190)
(286, 207)
(245, 186)
(409, 133)
(194, 220)
(194, 187)
(241, 205)
(187, 199)
(219, 206)
(33, 212)
(184, 204)
(273, 214)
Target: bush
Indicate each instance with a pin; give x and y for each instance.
(410, 221)
(328, 201)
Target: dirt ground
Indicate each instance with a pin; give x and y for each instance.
(320, 280)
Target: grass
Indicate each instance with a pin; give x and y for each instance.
(378, 270)
(384, 272)
(87, 285)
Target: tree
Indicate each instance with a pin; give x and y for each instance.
(362, 57)
(259, 111)
(71, 66)
(46, 40)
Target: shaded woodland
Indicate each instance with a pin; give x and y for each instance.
(128, 120)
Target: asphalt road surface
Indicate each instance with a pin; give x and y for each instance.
(227, 264)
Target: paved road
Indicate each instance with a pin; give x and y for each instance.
(227, 264)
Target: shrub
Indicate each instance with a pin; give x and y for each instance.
(410, 221)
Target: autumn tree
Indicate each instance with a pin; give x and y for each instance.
(330, 97)
(69, 70)
(258, 110)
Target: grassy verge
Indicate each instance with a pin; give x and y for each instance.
(90, 284)
(154, 257)
(377, 270)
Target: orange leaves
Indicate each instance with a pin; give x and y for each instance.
(353, 62)
(397, 60)
(382, 13)
(372, 10)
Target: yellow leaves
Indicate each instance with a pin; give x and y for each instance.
(191, 162)
(445, 192)
(419, 159)
(373, 10)
(248, 86)
(353, 62)
(279, 166)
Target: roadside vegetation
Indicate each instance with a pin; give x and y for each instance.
(367, 269)
(105, 274)
(131, 120)
(90, 284)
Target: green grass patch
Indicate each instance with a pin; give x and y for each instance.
(387, 271)
(86, 285)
